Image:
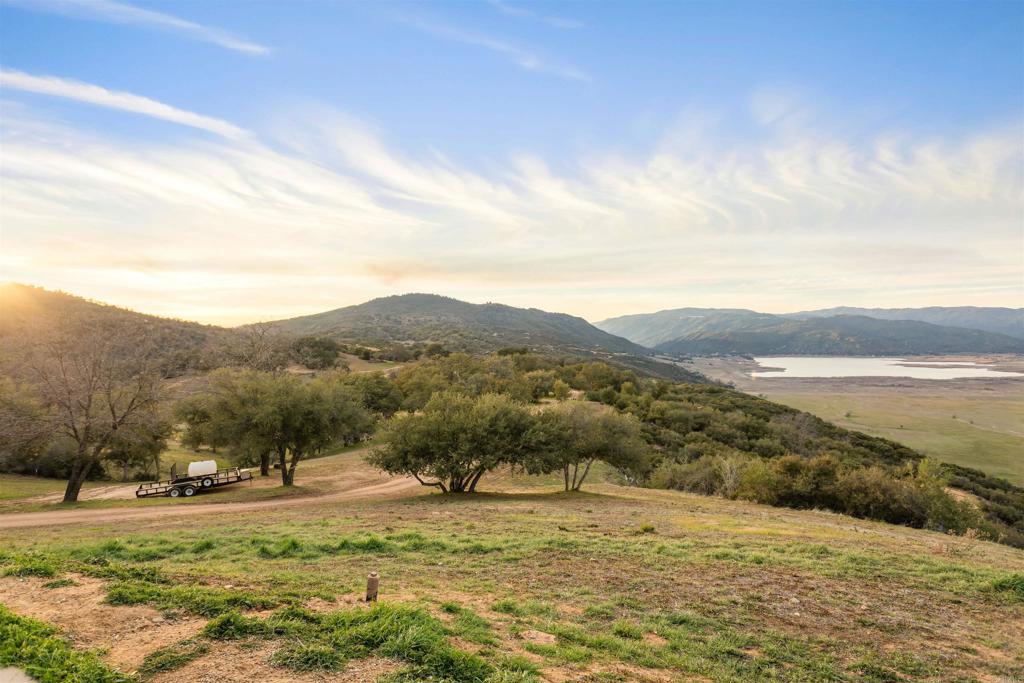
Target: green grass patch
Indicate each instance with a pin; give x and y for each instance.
(205, 601)
(1011, 585)
(173, 657)
(32, 565)
(35, 648)
(324, 642)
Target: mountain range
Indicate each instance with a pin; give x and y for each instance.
(702, 331)
(635, 340)
(1008, 321)
(28, 314)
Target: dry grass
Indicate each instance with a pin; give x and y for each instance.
(612, 584)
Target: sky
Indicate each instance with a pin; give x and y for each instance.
(248, 160)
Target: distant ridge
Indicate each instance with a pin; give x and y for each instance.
(1008, 321)
(703, 331)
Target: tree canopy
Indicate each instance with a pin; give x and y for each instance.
(575, 435)
(456, 439)
(257, 412)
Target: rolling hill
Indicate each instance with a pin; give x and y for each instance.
(1008, 321)
(652, 329)
(477, 328)
(695, 331)
(458, 325)
(28, 314)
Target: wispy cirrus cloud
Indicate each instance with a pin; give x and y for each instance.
(524, 13)
(120, 13)
(520, 56)
(240, 230)
(113, 99)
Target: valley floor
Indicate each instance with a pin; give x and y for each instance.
(613, 584)
(971, 422)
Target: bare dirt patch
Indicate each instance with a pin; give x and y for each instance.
(128, 634)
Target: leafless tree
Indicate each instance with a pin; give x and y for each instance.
(259, 346)
(95, 385)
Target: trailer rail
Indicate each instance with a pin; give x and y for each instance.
(186, 487)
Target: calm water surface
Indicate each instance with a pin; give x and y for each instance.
(841, 366)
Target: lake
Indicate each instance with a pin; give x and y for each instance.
(841, 366)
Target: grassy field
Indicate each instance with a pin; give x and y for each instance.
(975, 423)
(522, 583)
(16, 486)
(970, 428)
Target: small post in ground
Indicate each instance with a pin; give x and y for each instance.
(372, 583)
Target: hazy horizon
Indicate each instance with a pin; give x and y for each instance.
(194, 161)
(230, 322)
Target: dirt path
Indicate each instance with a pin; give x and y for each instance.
(389, 488)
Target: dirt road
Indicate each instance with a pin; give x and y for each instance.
(354, 484)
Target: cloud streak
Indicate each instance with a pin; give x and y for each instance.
(112, 12)
(521, 57)
(238, 230)
(113, 99)
(523, 13)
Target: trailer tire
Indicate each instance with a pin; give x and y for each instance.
(174, 493)
(207, 483)
(189, 491)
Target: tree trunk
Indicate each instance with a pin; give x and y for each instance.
(577, 484)
(265, 465)
(79, 472)
(290, 480)
(565, 474)
(476, 478)
(283, 466)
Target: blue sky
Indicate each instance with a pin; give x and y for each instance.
(234, 161)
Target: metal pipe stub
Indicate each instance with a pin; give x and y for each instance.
(372, 584)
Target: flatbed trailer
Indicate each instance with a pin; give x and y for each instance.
(187, 487)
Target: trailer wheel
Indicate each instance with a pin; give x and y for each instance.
(174, 493)
(207, 483)
(189, 491)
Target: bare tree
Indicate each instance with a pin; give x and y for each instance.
(259, 346)
(96, 385)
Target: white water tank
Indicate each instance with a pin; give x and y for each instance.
(201, 468)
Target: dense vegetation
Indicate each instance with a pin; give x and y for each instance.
(1008, 321)
(699, 331)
